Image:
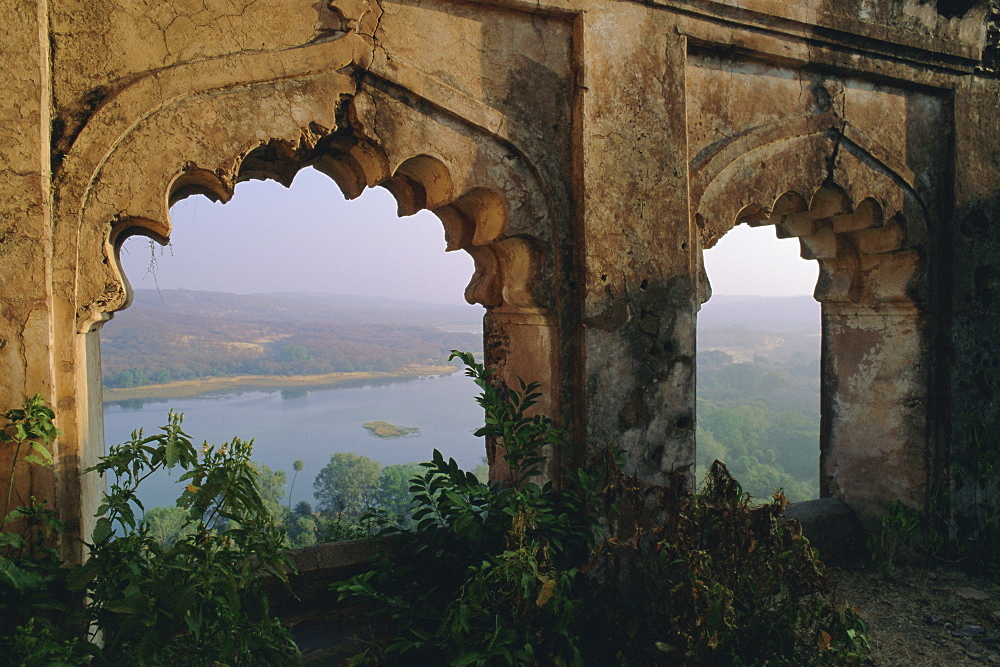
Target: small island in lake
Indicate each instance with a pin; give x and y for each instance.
(384, 429)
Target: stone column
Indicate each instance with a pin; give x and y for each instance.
(25, 227)
(523, 343)
(972, 364)
(873, 441)
(638, 277)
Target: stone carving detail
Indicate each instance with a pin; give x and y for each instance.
(863, 257)
(351, 12)
(343, 142)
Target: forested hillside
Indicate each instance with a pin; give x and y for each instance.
(182, 335)
(758, 393)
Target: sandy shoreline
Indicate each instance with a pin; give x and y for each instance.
(188, 388)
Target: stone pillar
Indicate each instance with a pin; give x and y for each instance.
(25, 226)
(639, 288)
(873, 439)
(523, 343)
(972, 364)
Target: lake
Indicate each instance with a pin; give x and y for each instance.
(311, 424)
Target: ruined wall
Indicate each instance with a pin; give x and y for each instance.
(584, 152)
(26, 364)
(969, 488)
(810, 153)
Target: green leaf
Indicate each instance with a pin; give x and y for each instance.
(37, 460)
(79, 577)
(43, 451)
(102, 530)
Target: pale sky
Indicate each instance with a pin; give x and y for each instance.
(308, 238)
(753, 260)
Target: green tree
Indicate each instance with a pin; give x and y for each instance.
(347, 485)
(302, 530)
(482, 472)
(297, 466)
(740, 429)
(271, 484)
(167, 525)
(393, 494)
(709, 450)
(294, 353)
(795, 437)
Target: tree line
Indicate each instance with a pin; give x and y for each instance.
(761, 418)
(349, 491)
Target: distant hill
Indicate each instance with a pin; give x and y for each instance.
(173, 335)
(763, 313)
(745, 327)
(311, 306)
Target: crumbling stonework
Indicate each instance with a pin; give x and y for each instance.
(584, 152)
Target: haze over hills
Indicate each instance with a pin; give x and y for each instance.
(309, 306)
(763, 313)
(172, 335)
(759, 392)
(176, 334)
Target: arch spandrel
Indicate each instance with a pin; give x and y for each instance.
(863, 221)
(800, 164)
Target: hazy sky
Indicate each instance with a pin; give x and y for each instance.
(309, 238)
(750, 260)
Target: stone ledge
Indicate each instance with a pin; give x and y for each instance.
(832, 527)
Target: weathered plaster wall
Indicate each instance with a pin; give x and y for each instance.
(26, 364)
(968, 460)
(637, 273)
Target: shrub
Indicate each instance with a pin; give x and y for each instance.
(606, 570)
(195, 601)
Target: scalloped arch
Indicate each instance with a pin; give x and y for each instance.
(172, 148)
(864, 258)
(734, 182)
(868, 252)
(475, 221)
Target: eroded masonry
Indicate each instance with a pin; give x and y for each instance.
(585, 153)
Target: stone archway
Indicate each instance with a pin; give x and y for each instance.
(812, 155)
(874, 362)
(172, 136)
(875, 350)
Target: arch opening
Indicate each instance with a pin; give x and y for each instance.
(758, 382)
(396, 360)
(873, 359)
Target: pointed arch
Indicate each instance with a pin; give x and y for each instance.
(855, 210)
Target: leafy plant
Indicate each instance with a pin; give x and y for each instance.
(605, 570)
(960, 527)
(32, 580)
(485, 565)
(197, 601)
(896, 533)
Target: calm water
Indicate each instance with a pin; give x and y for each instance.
(312, 424)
